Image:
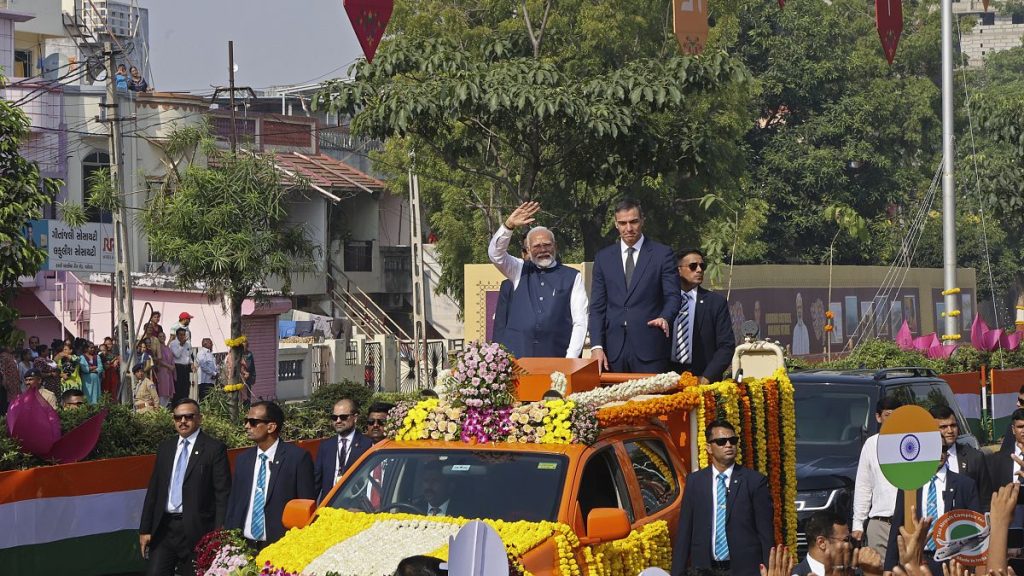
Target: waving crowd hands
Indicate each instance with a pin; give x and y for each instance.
(846, 560)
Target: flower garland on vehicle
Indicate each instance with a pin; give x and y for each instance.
(414, 423)
(702, 442)
(220, 553)
(747, 427)
(483, 377)
(771, 394)
(300, 549)
(758, 415)
(664, 468)
(647, 546)
(788, 454)
(638, 412)
(622, 392)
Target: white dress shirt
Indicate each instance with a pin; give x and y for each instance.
(441, 510)
(207, 366)
(952, 464)
(1016, 466)
(714, 497)
(940, 487)
(191, 439)
(873, 495)
(348, 450)
(182, 353)
(512, 268)
(271, 452)
(817, 568)
(624, 251)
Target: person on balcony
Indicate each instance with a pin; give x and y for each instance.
(547, 311)
(136, 83)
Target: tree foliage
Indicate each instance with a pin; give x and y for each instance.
(224, 226)
(23, 193)
(503, 102)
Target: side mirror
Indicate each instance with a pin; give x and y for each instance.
(298, 513)
(604, 524)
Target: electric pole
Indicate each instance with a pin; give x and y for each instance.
(231, 89)
(124, 314)
(419, 316)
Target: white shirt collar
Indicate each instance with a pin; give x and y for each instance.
(727, 472)
(270, 452)
(816, 567)
(191, 438)
(443, 507)
(348, 436)
(639, 244)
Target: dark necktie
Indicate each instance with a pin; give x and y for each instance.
(342, 442)
(630, 265)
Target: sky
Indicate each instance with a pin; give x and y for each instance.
(276, 42)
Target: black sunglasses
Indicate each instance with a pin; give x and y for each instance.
(180, 417)
(254, 422)
(734, 440)
(376, 421)
(341, 417)
(694, 265)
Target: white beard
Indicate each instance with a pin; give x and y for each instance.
(546, 262)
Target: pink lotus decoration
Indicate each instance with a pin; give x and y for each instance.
(35, 424)
(929, 345)
(984, 338)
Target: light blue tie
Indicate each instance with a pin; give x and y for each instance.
(259, 499)
(931, 510)
(721, 542)
(681, 350)
(179, 476)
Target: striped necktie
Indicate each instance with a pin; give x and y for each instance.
(932, 510)
(259, 500)
(721, 541)
(681, 350)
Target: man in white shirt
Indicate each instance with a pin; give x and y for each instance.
(207, 368)
(184, 320)
(182, 365)
(547, 313)
(874, 497)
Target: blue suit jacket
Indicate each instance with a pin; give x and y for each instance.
(327, 456)
(712, 343)
(616, 310)
(749, 523)
(960, 493)
(501, 311)
(291, 477)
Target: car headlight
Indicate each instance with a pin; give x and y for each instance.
(815, 499)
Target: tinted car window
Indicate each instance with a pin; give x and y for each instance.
(659, 484)
(482, 484)
(831, 419)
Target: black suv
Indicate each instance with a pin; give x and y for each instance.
(835, 413)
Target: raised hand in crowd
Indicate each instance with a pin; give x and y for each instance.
(780, 562)
(955, 568)
(869, 561)
(1000, 514)
(911, 542)
(910, 569)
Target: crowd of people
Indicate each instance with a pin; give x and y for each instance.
(647, 310)
(163, 368)
(191, 490)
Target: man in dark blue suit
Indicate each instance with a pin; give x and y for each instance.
(952, 492)
(702, 340)
(339, 452)
(267, 476)
(634, 296)
(726, 522)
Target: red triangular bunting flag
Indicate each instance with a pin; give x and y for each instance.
(369, 20)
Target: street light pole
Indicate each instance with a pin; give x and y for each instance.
(948, 182)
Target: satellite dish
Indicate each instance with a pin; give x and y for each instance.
(52, 66)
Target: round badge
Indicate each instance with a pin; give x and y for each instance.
(961, 534)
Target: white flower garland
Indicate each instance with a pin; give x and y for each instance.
(627, 390)
(363, 555)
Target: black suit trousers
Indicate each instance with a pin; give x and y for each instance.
(170, 549)
(182, 381)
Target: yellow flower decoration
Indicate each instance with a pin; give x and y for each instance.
(233, 342)
(950, 291)
(414, 426)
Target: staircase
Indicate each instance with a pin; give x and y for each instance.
(442, 311)
(68, 299)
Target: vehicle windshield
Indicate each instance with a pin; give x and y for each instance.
(481, 484)
(830, 419)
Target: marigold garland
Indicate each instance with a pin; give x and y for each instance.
(664, 468)
(702, 443)
(233, 342)
(638, 412)
(647, 546)
(414, 426)
(775, 447)
(747, 448)
(788, 454)
(759, 417)
(233, 387)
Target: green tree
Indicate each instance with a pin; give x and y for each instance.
(572, 104)
(224, 226)
(837, 125)
(22, 196)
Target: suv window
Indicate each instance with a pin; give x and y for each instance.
(603, 485)
(658, 481)
(928, 395)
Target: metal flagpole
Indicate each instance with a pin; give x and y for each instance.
(419, 319)
(948, 187)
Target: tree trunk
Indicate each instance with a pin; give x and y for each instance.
(235, 375)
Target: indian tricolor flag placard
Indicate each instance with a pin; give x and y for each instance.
(909, 447)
